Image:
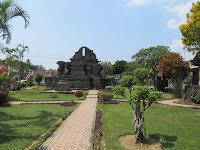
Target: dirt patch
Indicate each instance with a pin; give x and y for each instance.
(128, 141)
(30, 88)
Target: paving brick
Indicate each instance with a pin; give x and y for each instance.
(76, 132)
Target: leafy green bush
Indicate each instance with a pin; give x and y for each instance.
(78, 94)
(38, 78)
(107, 97)
(109, 87)
(157, 93)
(197, 98)
(152, 97)
(22, 84)
(30, 83)
(118, 90)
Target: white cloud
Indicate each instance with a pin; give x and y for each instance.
(137, 2)
(179, 11)
(177, 46)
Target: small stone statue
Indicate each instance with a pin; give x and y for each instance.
(186, 87)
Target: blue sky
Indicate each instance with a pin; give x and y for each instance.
(113, 29)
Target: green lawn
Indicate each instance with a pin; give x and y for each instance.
(178, 127)
(21, 124)
(36, 95)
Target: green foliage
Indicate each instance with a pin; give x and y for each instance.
(38, 78)
(156, 93)
(140, 93)
(107, 68)
(197, 98)
(107, 97)
(190, 30)
(9, 10)
(152, 97)
(118, 90)
(4, 80)
(119, 67)
(149, 58)
(30, 83)
(141, 74)
(127, 81)
(109, 87)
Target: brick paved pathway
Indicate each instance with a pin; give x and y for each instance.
(76, 132)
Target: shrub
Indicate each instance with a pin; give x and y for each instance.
(3, 97)
(107, 97)
(38, 78)
(109, 88)
(30, 83)
(22, 84)
(197, 98)
(157, 93)
(118, 90)
(78, 94)
(101, 94)
(162, 84)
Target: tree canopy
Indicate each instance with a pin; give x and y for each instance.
(107, 68)
(191, 30)
(149, 58)
(9, 10)
(119, 67)
(174, 68)
(127, 81)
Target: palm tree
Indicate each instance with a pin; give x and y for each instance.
(21, 52)
(11, 57)
(8, 10)
(21, 56)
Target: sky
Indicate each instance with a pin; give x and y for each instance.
(113, 29)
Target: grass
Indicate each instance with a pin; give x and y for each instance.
(36, 95)
(167, 96)
(179, 128)
(21, 124)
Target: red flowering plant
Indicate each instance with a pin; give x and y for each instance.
(78, 94)
(3, 97)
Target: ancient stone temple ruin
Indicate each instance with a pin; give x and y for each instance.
(83, 72)
(190, 84)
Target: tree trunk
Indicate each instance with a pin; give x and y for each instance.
(138, 122)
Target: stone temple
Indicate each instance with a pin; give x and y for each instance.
(83, 72)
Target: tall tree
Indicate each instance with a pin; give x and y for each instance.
(191, 30)
(9, 10)
(11, 57)
(141, 74)
(149, 58)
(119, 67)
(127, 81)
(174, 68)
(107, 68)
(21, 48)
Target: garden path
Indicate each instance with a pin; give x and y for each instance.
(76, 132)
(173, 102)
